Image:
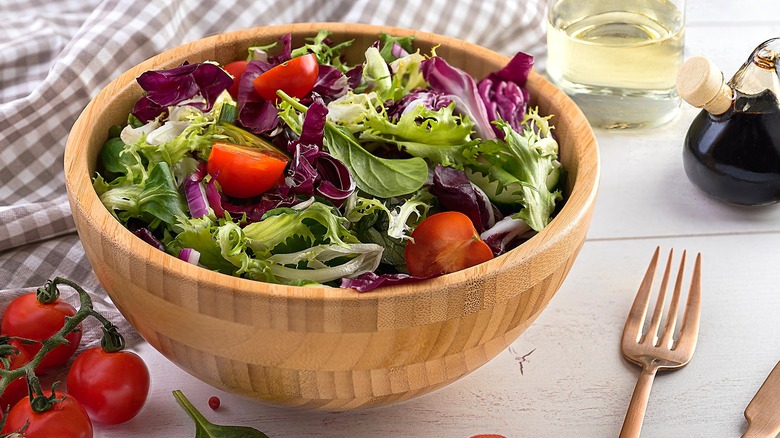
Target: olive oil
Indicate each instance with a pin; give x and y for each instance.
(618, 63)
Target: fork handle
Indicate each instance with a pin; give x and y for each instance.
(758, 430)
(635, 414)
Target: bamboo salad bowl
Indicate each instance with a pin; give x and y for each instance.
(326, 348)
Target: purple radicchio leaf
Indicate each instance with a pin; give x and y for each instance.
(505, 234)
(149, 238)
(504, 92)
(455, 192)
(432, 100)
(313, 129)
(312, 170)
(169, 87)
(331, 82)
(214, 198)
(285, 54)
(255, 113)
(301, 174)
(370, 281)
(354, 76)
(279, 196)
(146, 110)
(458, 84)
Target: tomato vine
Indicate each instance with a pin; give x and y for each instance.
(111, 341)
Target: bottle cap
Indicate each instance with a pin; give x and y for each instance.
(701, 84)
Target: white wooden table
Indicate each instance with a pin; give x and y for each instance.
(572, 381)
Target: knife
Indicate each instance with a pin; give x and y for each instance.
(763, 412)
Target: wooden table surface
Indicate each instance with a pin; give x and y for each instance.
(565, 377)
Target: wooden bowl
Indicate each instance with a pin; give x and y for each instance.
(326, 348)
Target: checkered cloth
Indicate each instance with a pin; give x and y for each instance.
(55, 55)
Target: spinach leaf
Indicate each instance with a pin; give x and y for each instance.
(380, 177)
(206, 429)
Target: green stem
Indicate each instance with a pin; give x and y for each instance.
(293, 102)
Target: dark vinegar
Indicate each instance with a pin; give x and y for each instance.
(735, 157)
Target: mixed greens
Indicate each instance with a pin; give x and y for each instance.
(365, 153)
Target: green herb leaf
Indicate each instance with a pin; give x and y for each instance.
(206, 429)
(326, 54)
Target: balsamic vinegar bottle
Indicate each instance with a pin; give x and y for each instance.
(732, 149)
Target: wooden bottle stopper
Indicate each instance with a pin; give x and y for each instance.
(701, 84)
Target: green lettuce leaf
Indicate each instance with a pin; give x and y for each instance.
(155, 199)
(316, 224)
(520, 170)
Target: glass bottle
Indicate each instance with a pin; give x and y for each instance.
(732, 149)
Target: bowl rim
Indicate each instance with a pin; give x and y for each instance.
(576, 208)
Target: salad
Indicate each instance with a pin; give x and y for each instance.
(295, 167)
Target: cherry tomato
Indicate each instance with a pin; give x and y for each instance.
(236, 69)
(244, 171)
(66, 418)
(443, 243)
(295, 77)
(112, 387)
(17, 389)
(26, 317)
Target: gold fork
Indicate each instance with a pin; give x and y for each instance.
(653, 350)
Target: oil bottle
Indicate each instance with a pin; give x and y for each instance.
(732, 149)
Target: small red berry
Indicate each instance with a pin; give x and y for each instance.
(214, 402)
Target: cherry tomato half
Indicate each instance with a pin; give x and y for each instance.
(295, 77)
(244, 171)
(66, 418)
(112, 387)
(443, 243)
(26, 317)
(17, 389)
(236, 69)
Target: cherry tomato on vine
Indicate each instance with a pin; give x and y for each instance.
(66, 418)
(112, 386)
(26, 317)
(443, 243)
(17, 389)
(295, 77)
(236, 69)
(244, 171)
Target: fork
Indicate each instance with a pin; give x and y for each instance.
(655, 351)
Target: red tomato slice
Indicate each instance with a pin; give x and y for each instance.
(236, 69)
(244, 172)
(443, 243)
(295, 77)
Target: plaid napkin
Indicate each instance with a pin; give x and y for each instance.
(55, 55)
